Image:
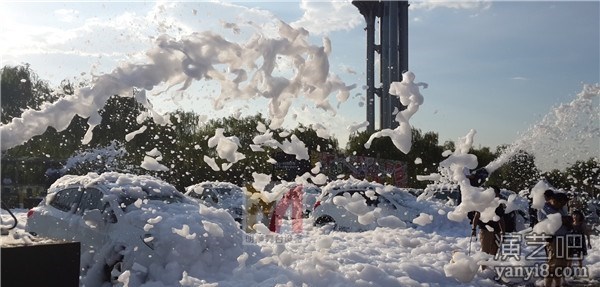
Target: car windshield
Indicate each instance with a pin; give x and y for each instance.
(128, 199)
(371, 199)
(312, 191)
(224, 191)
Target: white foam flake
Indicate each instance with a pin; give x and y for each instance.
(150, 163)
(211, 162)
(423, 219)
(184, 232)
(131, 135)
(410, 96)
(356, 127)
(226, 146)
(296, 147)
(154, 153)
(462, 267)
(213, 228)
(260, 180)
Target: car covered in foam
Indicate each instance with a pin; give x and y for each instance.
(357, 205)
(307, 193)
(132, 226)
(224, 195)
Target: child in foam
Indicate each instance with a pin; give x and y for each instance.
(555, 247)
(491, 231)
(580, 241)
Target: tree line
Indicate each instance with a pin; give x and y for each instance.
(184, 144)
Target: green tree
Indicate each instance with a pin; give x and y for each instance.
(314, 143)
(52, 144)
(22, 89)
(245, 129)
(556, 178)
(356, 144)
(449, 145)
(27, 163)
(519, 173)
(484, 156)
(583, 177)
(424, 157)
(119, 116)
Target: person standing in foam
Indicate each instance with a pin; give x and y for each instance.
(555, 245)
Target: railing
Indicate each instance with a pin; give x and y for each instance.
(5, 230)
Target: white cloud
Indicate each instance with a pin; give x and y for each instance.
(31, 39)
(519, 79)
(452, 4)
(322, 18)
(120, 34)
(24, 39)
(93, 36)
(66, 15)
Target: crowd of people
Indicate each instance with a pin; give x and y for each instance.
(568, 244)
(570, 241)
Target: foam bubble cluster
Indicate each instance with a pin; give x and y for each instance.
(243, 71)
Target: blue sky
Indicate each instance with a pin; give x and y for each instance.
(496, 67)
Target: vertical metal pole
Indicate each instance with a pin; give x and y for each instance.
(392, 62)
(402, 44)
(370, 19)
(393, 40)
(384, 66)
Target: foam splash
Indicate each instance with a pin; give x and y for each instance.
(567, 133)
(410, 97)
(243, 71)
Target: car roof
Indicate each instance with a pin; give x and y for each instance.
(290, 184)
(388, 191)
(114, 182)
(350, 184)
(199, 187)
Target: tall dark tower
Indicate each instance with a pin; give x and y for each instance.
(393, 53)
